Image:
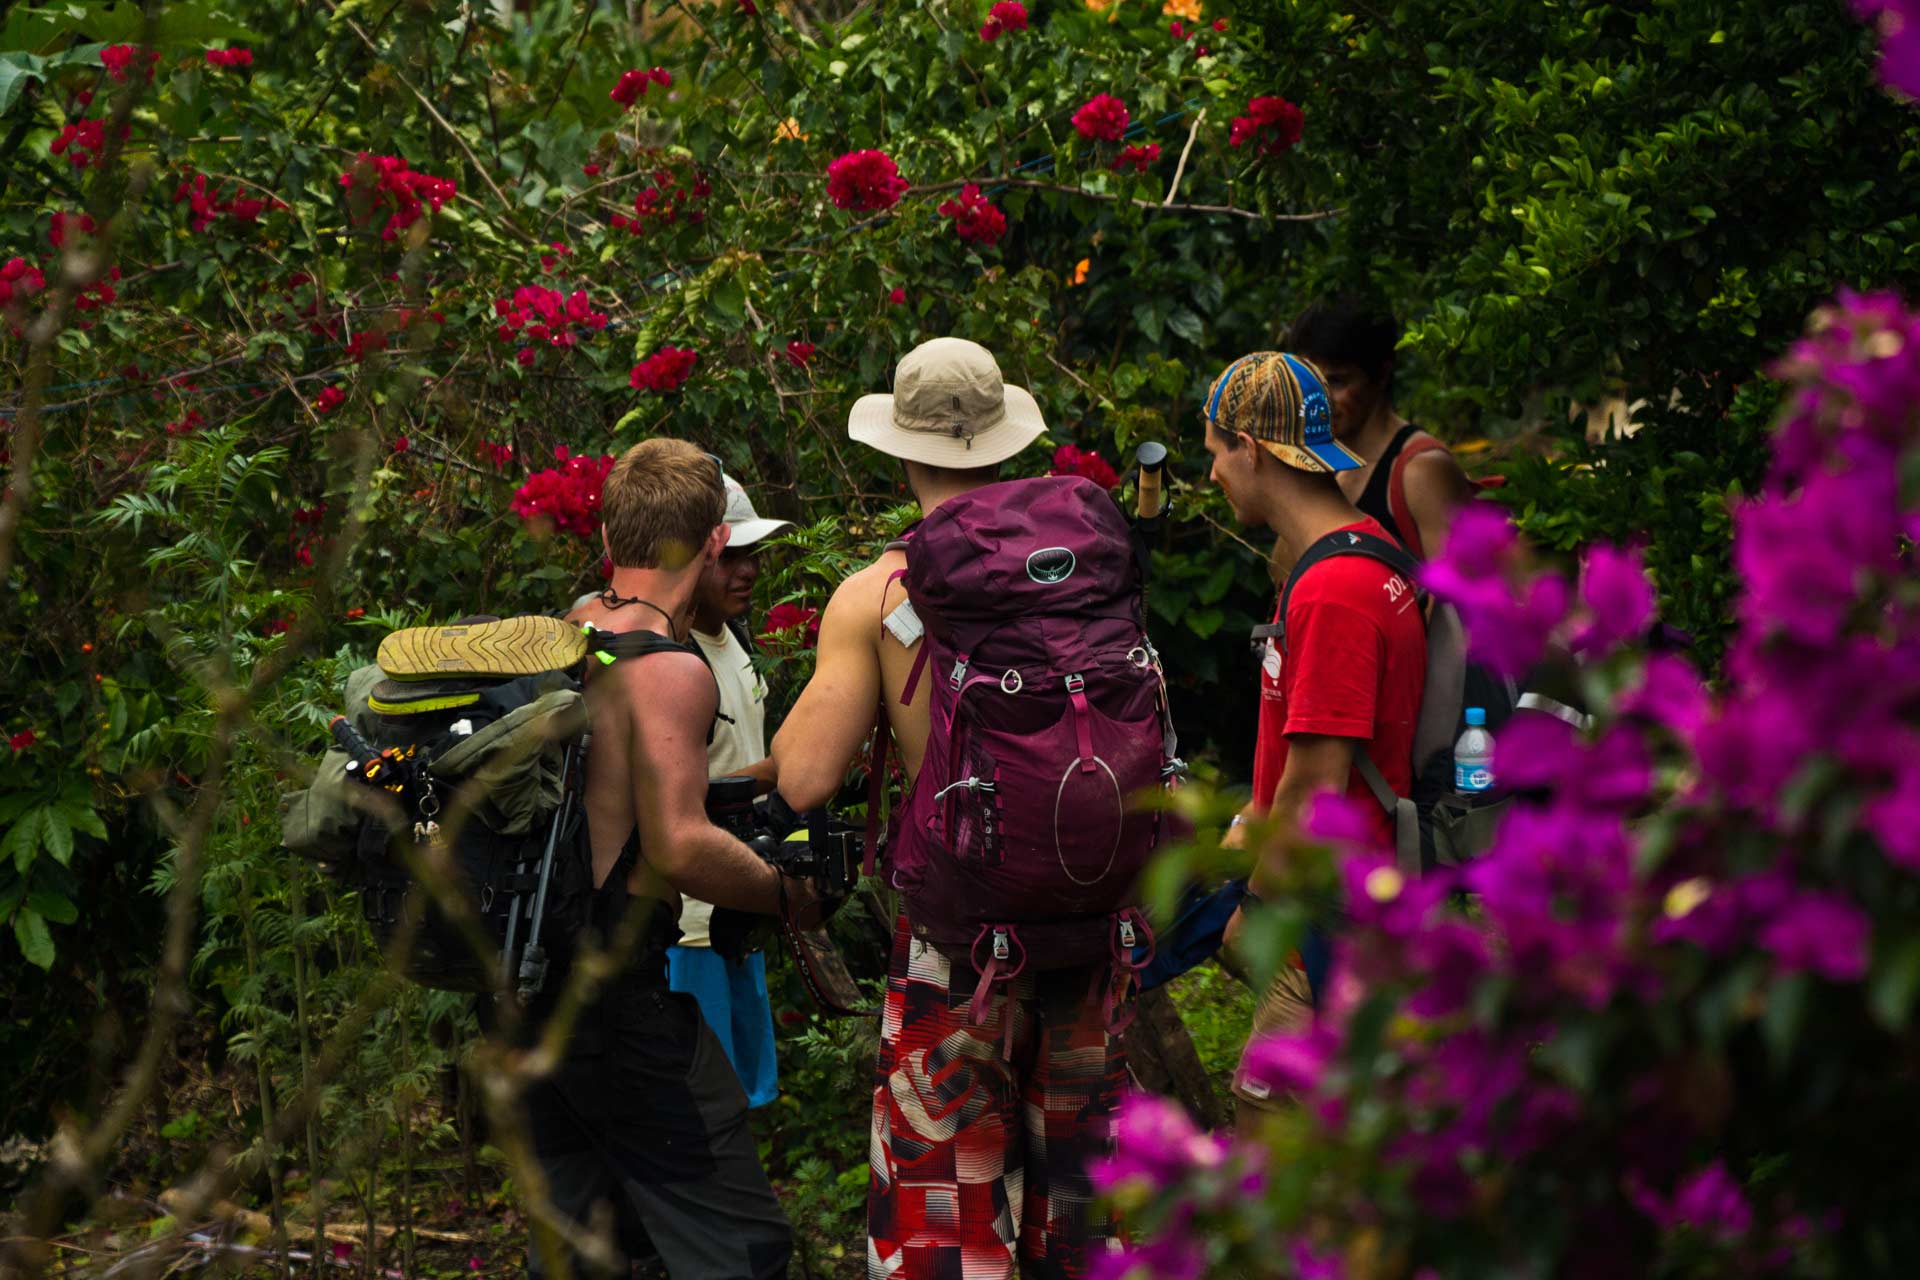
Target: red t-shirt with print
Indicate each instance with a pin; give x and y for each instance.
(1354, 666)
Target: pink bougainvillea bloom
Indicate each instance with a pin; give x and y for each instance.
(565, 498)
(1219, 24)
(975, 219)
(329, 399)
(1008, 15)
(897, 296)
(229, 57)
(1071, 460)
(1137, 158)
(118, 58)
(1618, 597)
(22, 740)
(1669, 693)
(800, 354)
(1820, 933)
(665, 370)
(1898, 22)
(1271, 125)
(402, 444)
(865, 181)
(1103, 118)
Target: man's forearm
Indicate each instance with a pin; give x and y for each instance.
(708, 864)
(1269, 869)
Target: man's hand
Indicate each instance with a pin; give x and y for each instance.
(1316, 762)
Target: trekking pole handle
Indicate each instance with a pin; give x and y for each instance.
(1150, 498)
(352, 743)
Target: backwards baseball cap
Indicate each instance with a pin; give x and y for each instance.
(949, 408)
(1281, 401)
(744, 525)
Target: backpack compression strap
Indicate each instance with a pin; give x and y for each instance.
(882, 731)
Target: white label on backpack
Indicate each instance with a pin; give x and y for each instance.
(904, 624)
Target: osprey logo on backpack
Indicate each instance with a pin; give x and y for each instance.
(1050, 565)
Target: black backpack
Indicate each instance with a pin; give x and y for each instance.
(461, 754)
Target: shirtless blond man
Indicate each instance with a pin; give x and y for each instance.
(644, 1115)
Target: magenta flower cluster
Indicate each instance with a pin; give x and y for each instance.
(1575, 1016)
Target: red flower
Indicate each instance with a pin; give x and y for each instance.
(1103, 118)
(974, 219)
(747, 7)
(63, 223)
(634, 84)
(402, 444)
(1271, 124)
(591, 170)
(791, 626)
(386, 181)
(20, 281)
(1008, 15)
(82, 141)
(277, 627)
(366, 342)
(1137, 158)
(498, 454)
(117, 58)
(1219, 24)
(865, 181)
(898, 296)
(192, 421)
(355, 613)
(229, 57)
(566, 497)
(665, 370)
(22, 740)
(1085, 463)
(1177, 29)
(800, 354)
(329, 399)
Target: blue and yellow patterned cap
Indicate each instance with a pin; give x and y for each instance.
(1281, 401)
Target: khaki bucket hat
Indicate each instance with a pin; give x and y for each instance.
(949, 408)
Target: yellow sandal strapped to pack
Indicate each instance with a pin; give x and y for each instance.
(510, 647)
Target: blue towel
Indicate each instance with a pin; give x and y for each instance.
(732, 995)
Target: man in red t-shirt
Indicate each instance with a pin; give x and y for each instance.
(1351, 668)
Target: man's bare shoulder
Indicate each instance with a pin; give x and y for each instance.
(859, 595)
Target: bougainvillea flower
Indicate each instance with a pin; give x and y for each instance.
(865, 181)
(975, 220)
(329, 399)
(565, 498)
(1617, 596)
(1008, 15)
(1071, 460)
(665, 370)
(229, 57)
(633, 85)
(1821, 933)
(1271, 125)
(799, 354)
(1898, 22)
(1103, 118)
(1137, 158)
(22, 740)
(791, 626)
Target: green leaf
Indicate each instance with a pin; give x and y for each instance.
(1894, 983)
(1187, 325)
(23, 839)
(36, 944)
(53, 906)
(13, 80)
(57, 834)
(1204, 622)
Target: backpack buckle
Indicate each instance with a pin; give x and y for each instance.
(1127, 938)
(1075, 683)
(1002, 949)
(959, 676)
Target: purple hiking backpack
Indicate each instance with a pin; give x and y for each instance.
(1019, 844)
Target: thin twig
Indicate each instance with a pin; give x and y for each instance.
(1252, 215)
(1179, 170)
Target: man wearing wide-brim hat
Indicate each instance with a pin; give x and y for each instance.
(978, 1163)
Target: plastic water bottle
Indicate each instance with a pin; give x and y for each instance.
(1473, 754)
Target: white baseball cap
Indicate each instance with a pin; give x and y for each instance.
(744, 525)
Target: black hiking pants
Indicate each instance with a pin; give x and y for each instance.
(644, 1126)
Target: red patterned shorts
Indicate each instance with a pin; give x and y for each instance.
(981, 1141)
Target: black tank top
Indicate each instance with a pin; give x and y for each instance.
(1374, 500)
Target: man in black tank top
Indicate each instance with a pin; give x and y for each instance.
(1411, 483)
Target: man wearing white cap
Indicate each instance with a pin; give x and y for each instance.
(732, 991)
(978, 1159)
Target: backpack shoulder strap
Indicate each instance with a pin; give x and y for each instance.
(1405, 814)
(1343, 542)
(1397, 489)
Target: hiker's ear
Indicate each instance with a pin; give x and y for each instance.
(716, 542)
